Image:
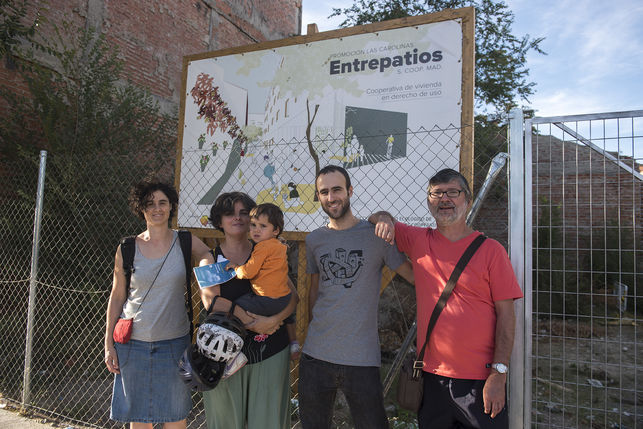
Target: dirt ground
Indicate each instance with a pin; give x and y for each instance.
(587, 374)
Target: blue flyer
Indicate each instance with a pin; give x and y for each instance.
(213, 274)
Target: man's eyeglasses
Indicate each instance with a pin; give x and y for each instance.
(451, 193)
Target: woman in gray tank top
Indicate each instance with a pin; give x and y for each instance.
(147, 385)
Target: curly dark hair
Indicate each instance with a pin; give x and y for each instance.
(224, 206)
(141, 194)
(273, 213)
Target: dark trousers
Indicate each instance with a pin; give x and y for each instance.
(262, 305)
(318, 385)
(453, 403)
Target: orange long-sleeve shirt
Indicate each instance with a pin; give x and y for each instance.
(267, 269)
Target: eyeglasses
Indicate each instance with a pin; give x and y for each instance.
(451, 193)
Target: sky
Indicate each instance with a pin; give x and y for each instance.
(594, 60)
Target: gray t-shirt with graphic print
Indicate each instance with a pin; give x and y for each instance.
(349, 262)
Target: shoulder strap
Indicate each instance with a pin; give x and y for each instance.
(446, 293)
(185, 239)
(216, 252)
(128, 249)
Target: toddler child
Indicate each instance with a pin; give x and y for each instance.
(267, 268)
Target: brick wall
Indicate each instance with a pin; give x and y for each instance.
(588, 189)
(584, 190)
(153, 36)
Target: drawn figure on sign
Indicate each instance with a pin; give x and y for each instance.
(269, 171)
(293, 191)
(293, 196)
(389, 146)
(354, 149)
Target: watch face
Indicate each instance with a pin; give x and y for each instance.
(500, 367)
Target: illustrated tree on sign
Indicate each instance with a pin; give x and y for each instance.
(218, 117)
(304, 83)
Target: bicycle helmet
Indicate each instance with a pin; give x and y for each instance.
(227, 320)
(220, 338)
(199, 372)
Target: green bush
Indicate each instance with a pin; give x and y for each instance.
(102, 135)
(579, 279)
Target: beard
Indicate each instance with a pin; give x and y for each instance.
(343, 209)
(447, 218)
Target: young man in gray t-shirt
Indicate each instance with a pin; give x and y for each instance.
(342, 351)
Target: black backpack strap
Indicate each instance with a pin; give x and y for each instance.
(231, 311)
(185, 239)
(128, 249)
(211, 306)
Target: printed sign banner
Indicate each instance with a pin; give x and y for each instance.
(264, 122)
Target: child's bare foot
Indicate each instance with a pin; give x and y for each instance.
(295, 350)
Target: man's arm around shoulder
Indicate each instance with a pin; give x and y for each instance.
(384, 226)
(385, 229)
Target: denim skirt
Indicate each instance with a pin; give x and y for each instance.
(149, 388)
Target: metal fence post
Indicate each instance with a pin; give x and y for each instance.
(520, 253)
(26, 392)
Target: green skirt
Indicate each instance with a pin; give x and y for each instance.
(258, 394)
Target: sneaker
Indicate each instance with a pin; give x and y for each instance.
(234, 365)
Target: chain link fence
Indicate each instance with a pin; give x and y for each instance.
(84, 215)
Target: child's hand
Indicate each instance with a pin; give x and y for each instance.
(231, 266)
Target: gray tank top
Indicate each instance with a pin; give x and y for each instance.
(162, 315)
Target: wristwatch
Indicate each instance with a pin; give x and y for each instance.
(501, 368)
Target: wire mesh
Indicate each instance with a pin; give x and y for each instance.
(81, 225)
(388, 170)
(587, 280)
(84, 215)
(15, 247)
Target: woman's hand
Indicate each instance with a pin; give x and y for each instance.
(114, 307)
(111, 359)
(263, 324)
